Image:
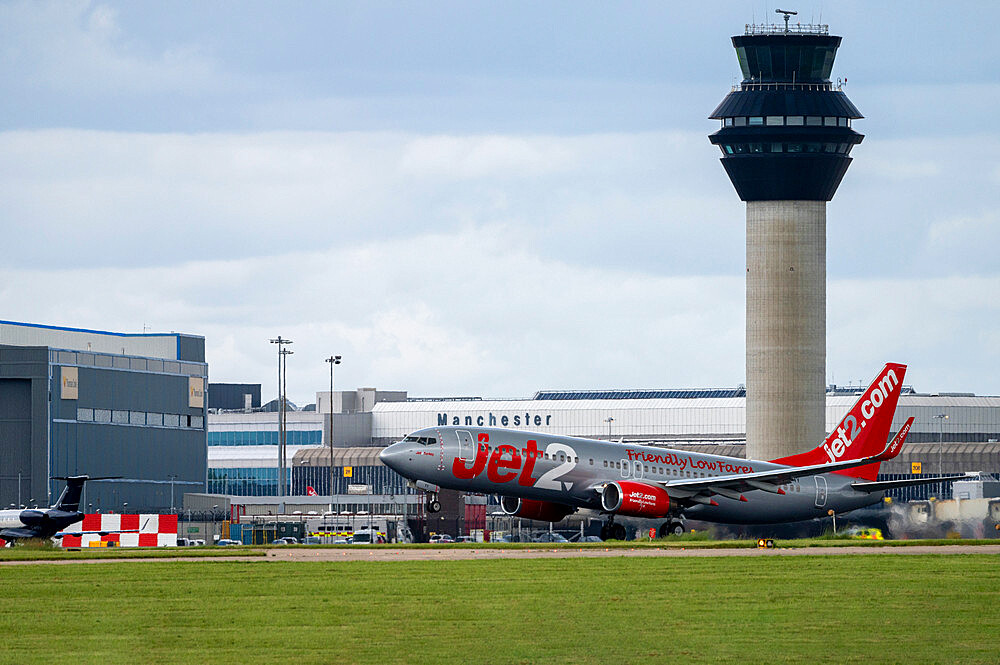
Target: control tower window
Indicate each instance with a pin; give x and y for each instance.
(756, 121)
(829, 122)
(740, 122)
(775, 120)
(756, 147)
(829, 147)
(776, 147)
(814, 120)
(794, 120)
(844, 122)
(727, 122)
(726, 149)
(794, 147)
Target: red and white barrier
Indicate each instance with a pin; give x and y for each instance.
(146, 530)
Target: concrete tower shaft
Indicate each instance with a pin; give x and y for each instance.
(785, 138)
(786, 326)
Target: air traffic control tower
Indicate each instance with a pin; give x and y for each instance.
(785, 138)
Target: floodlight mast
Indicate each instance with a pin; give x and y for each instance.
(333, 360)
(281, 342)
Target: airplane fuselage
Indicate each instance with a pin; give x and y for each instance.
(571, 471)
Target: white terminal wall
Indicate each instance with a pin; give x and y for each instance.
(678, 419)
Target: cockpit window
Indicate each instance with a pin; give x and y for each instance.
(422, 440)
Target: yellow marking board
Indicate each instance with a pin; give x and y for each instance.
(915, 467)
(348, 471)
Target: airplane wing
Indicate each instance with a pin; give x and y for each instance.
(20, 533)
(699, 490)
(871, 486)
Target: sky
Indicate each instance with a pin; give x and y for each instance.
(482, 198)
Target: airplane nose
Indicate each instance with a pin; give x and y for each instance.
(392, 456)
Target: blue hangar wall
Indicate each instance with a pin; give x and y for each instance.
(139, 420)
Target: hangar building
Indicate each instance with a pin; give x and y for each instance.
(130, 406)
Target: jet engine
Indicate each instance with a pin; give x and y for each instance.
(544, 511)
(33, 517)
(634, 499)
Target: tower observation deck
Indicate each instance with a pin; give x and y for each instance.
(786, 129)
(785, 135)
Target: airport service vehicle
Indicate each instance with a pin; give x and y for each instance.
(550, 538)
(547, 477)
(441, 538)
(35, 523)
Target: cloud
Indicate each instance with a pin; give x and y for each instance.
(943, 328)
(115, 198)
(80, 48)
(468, 313)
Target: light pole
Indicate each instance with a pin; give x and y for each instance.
(281, 342)
(284, 423)
(609, 420)
(333, 360)
(941, 417)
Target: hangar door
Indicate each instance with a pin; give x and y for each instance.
(15, 433)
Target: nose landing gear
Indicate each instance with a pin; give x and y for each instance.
(612, 531)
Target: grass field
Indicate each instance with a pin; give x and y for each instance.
(831, 609)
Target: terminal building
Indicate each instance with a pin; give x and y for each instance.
(127, 407)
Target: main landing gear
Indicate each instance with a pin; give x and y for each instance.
(672, 528)
(433, 505)
(612, 531)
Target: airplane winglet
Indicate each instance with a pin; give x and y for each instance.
(894, 447)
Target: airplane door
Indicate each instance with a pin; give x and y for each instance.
(820, 491)
(626, 468)
(466, 446)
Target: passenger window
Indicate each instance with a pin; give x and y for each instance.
(591, 462)
(605, 464)
(645, 468)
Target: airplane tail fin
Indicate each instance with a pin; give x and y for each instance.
(864, 431)
(310, 491)
(69, 500)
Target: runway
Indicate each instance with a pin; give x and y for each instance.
(322, 554)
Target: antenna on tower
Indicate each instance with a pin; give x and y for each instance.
(787, 14)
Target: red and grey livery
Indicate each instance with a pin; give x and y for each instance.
(546, 477)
